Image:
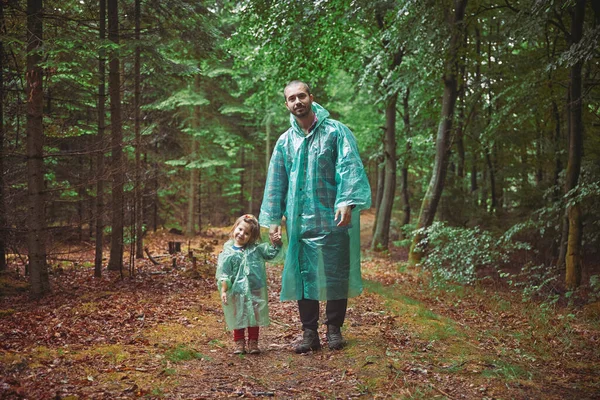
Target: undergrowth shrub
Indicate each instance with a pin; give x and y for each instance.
(456, 253)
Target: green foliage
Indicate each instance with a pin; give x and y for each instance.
(456, 254)
(595, 287)
(184, 98)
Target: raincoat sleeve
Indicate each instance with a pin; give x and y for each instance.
(352, 183)
(271, 253)
(276, 187)
(225, 266)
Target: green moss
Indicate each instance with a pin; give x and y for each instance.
(10, 285)
(183, 353)
(7, 312)
(505, 370)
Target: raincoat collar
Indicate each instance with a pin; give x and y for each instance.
(321, 114)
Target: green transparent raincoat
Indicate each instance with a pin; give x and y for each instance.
(309, 177)
(246, 276)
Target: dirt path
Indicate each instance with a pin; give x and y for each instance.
(161, 335)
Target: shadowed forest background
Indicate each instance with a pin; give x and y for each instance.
(478, 123)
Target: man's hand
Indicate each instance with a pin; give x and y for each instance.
(224, 297)
(275, 234)
(276, 239)
(343, 215)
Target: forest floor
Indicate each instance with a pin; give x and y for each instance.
(160, 335)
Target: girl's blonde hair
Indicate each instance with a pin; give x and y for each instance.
(254, 227)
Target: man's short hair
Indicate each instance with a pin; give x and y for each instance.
(296, 82)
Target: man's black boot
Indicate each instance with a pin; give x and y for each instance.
(310, 341)
(334, 337)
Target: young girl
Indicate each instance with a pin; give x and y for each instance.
(242, 281)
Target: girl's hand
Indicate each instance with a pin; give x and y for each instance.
(224, 297)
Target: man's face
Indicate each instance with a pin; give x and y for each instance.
(297, 100)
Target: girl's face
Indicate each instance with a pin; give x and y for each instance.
(242, 233)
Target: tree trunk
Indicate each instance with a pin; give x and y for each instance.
(384, 214)
(490, 165)
(242, 176)
(539, 172)
(191, 220)
(139, 183)
(443, 140)
(190, 231)
(407, 159)
(200, 201)
(460, 125)
(556, 246)
(36, 216)
(100, 147)
(3, 219)
(251, 189)
(474, 187)
(558, 167)
(155, 185)
(573, 259)
(380, 169)
(268, 120)
(115, 262)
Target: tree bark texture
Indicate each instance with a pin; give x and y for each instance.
(573, 259)
(100, 147)
(490, 165)
(3, 219)
(115, 262)
(384, 212)
(191, 220)
(443, 140)
(380, 170)
(36, 218)
(139, 182)
(406, 160)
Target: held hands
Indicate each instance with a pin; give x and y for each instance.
(343, 215)
(275, 235)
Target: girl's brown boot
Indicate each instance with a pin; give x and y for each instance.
(240, 347)
(253, 347)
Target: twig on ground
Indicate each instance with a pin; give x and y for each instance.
(442, 392)
(150, 256)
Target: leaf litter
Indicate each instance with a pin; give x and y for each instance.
(160, 334)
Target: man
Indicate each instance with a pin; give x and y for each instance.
(317, 183)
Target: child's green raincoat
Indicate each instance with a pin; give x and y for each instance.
(246, 276)
(309, 177)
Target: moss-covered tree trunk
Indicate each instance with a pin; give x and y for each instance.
(443, 140)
